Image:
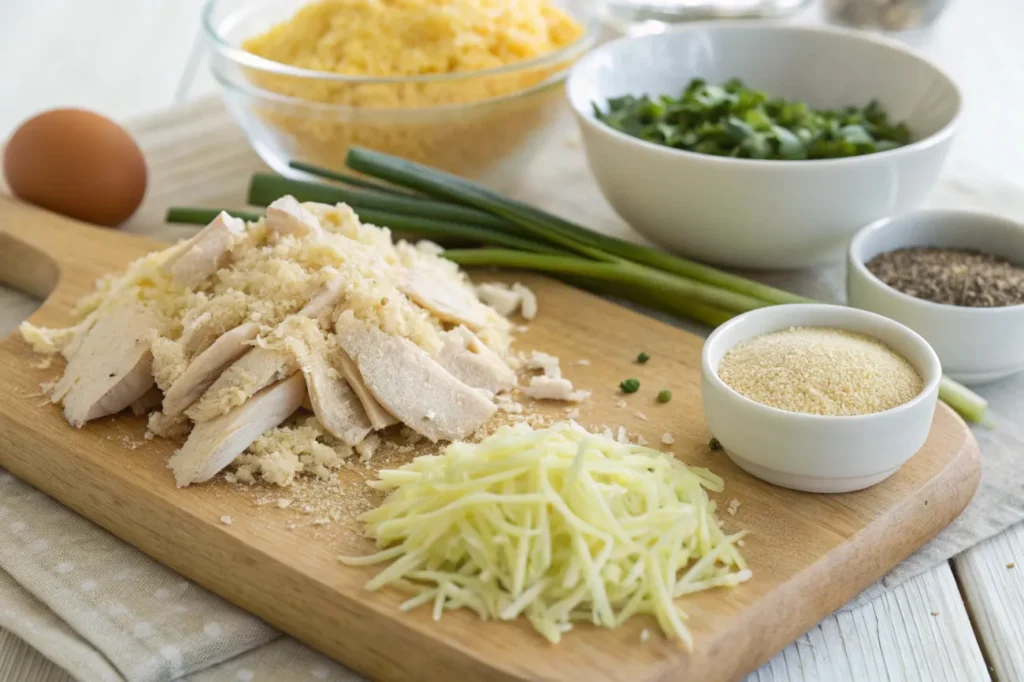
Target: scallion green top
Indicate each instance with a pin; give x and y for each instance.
(733, 120)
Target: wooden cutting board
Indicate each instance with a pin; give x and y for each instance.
(809, 553)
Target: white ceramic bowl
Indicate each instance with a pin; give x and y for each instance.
(756, 213)
(812, 452)
(975, 345)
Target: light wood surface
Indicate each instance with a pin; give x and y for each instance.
(810, 553)
(992, 577)
(918, 633)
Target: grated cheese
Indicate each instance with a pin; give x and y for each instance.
(558, 525)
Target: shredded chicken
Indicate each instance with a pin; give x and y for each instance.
(233, 331)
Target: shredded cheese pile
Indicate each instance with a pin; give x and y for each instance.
(415, 38)
(557, 524)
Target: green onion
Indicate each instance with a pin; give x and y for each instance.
(348, 179)
(642, 358)
(437, 229)
(664, 395)
(204, 216)
(264, 188)
(544, 225)
(629, 385)
(733, 120)
(714, 444)
(627, 273)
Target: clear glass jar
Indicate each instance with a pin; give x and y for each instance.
(652, 16)
(885, 15)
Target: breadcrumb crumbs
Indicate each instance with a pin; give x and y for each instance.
(667, 438)
(816, 370)
(226, 520)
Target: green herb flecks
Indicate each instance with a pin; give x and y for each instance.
(664, 395)
(642, 358)
(733, 120)
(629, 385)
(715, 445)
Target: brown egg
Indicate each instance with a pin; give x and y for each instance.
(76, 163)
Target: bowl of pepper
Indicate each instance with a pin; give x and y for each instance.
(954, 277)
(762, 145)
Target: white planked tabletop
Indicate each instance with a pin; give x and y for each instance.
(962, 621)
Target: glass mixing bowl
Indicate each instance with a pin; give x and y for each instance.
(481, 124)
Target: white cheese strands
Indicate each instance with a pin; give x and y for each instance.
(556, 524)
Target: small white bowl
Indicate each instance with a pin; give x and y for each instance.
(759, 213)
(815, 453)
(975, 345)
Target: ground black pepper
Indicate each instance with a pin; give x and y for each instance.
(953, 276)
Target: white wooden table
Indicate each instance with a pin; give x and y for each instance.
(962, 621)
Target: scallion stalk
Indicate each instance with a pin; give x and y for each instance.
(204, 216)
(348, 179)
(544, 225)
(265, 188)
(626, 273)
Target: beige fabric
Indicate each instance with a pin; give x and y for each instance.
(104, 611)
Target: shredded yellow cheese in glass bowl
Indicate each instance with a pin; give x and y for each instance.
(464, 85)
(558, 525)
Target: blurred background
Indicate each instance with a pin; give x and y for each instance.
(125, 58)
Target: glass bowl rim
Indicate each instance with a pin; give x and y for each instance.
(591, 27)
(250, 90)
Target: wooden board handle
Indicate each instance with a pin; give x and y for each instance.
(39, 249)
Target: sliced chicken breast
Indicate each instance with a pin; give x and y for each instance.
(409, 384)
(113, 366)
(215, 444)
(256, 367)
(288, 216)
(255, 370)
(375, 412)
(446, 299)
(206, 367)
(206, 252)
(470, 361)
(335, 404)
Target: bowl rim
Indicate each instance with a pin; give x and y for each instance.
(250, 90)
(935, 139)
(858, 267)
(928, 390)
(570, 53)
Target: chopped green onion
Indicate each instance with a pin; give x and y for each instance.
(714, 444)
(629, 385)
(642, 358)
(664, 395)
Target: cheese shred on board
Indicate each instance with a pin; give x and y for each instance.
(236, 331)
(558, 525)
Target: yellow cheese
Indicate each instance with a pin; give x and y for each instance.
(556, 524)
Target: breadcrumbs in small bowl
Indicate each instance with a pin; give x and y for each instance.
(470, 87)
(821, 398)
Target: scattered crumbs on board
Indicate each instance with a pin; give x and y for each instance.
(583, 362)
(935, 613)
(226, 520)
(620, 404)
(667, 438)
(734, 506)
(641, 416)
(645, 635)
(1011, 565)
(45, 363)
